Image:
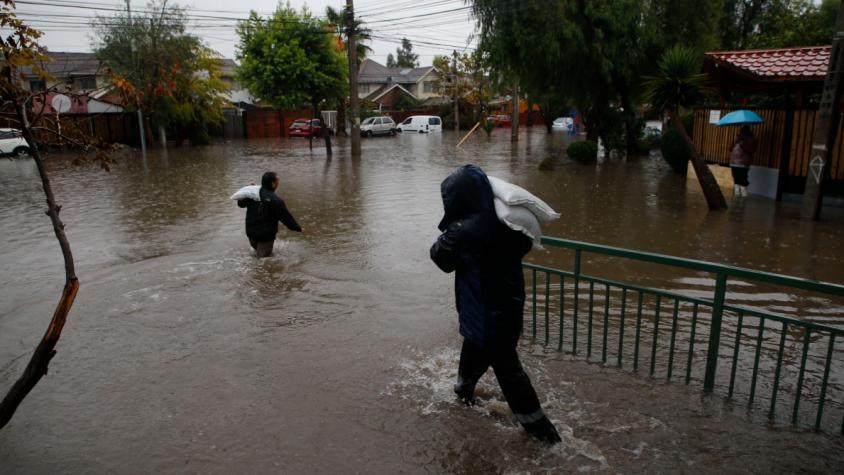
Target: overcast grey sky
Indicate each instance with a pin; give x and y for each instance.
(433, 26)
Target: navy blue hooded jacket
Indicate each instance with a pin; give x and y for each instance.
(487, 257)
(262, 217)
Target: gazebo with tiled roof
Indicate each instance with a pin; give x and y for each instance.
(798, 70)
(792, 75)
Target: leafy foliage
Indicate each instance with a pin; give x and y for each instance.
(291, 59)
(405, 57)
(172, 75)
(777, 23)
(678, 82)
(338, 19)
(675, 151)
(584, 150)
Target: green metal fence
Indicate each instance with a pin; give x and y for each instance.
(738, 349)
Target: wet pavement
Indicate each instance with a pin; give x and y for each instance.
(184, 354)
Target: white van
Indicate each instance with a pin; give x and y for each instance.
(421, 124)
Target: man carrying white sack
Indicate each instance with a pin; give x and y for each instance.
(490, 293)
(264, 210)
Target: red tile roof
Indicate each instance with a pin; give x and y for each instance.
(784, 64)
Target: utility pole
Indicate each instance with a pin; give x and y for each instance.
(514, 117)
(454, 81)
(140, 114)
(351, 44)
(826, 125)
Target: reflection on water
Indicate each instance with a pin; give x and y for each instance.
(184, 353)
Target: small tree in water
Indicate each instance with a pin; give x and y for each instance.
(21, 52)
(677, 85)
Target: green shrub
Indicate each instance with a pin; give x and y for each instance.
(644, 146)
(584, 150)
(612, 130)
(675, 151)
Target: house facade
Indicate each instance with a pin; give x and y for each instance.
(384, 86)
(80, 77)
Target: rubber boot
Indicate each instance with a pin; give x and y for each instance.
(736, 190)
(743, 191)
(543, 430)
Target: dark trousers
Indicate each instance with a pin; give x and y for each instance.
(740, 175)
(262, 248)
(514, 382)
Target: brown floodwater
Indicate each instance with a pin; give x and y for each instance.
(185, 354)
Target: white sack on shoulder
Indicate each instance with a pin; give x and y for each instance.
(253, 192)
(514, 195)
(520, 219)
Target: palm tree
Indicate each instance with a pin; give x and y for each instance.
(337, 19)
(679, 84)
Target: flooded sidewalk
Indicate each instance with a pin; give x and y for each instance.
(184, 354)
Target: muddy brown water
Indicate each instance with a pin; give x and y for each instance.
(184, 354)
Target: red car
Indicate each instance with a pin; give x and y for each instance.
(301, 128)
(500, 120)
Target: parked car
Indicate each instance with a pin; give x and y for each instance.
(421, 124)
(13, 143)
(501, 120)
(563, 123)
(377, 126)
(302, 128)
(652, 130)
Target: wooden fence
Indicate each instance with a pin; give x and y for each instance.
(108, 127)
(270, 123)
(776, 143)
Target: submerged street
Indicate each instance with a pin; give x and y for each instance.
(185, 354)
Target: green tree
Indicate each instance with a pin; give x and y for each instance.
(795, 23)
(178, 75)
(405, 57)
(291, 59)
(590, 53)
(777, 23)
(679, 84)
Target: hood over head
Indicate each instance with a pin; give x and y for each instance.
(465, 192)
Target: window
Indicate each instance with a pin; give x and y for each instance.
(434, 121)
(9, 134)
(36, 85)
(363, 88)
(407, 121)
(428, 87)
(84, 83)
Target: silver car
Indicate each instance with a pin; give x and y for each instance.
(377, 126)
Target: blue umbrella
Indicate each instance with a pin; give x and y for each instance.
(740, 117)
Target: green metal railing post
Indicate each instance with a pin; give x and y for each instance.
(717, 306)
(562, 310)
(576, 300)
(715, 332)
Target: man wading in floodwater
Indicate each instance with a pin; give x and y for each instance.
(262, 217)
(490, 293)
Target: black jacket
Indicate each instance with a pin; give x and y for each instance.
(262, 217)
(487, 257)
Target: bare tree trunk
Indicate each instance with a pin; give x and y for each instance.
(44, 352)
(711, 191)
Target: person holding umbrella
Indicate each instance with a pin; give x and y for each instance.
(742, 149)
(741, 155)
